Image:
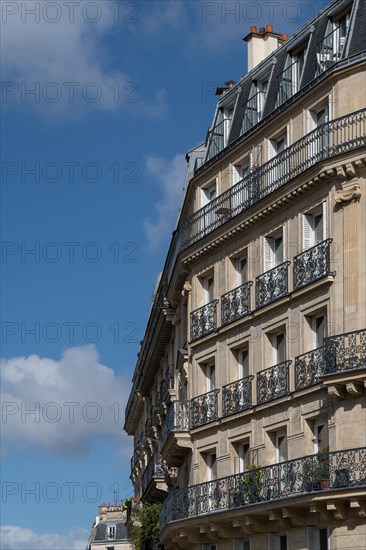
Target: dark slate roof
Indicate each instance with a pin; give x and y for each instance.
(313, 34)
(101, 531)
(358, 37)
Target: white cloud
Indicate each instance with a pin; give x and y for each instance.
(14, 537)
(60, 53)
(170, 176)
(77, 401)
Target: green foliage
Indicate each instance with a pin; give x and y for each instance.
(145, 525)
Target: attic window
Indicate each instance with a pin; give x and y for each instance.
(290, 80)
(111, 532)
(331, 49)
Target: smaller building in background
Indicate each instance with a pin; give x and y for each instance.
(109, 531)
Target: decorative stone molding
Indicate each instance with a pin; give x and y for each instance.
(350, 192)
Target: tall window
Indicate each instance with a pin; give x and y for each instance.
(243, 363)
(319, 330)
(209, 288)
(279, 347)
(320, 139)
(273, 251)
(320, 436)
(211, 466)
(210, 377)
(281, 446)
(111, 532)
(228, 120)
(242, 270)
(277, 541)
(243, 457)
(240, 195)
(313, 228)
(241, 544)
(318, 538)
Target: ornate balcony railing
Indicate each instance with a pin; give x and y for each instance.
(155, 467)
(309, 367)
(204, 408)
(237, 396)
(345, 352)
(177, 419)
(204, 320)
(236, 303)
(312, 264)
(272, 285)
(273, 382)
(314, 473)
(324, 142)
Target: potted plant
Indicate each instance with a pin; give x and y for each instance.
(322, 469)
(252, 484)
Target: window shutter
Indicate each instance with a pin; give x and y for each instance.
(312, 533)
(268, 253)
(319, 228)
(273, 542)
(237, 544)
(279, 251)
(325, 221)
(307, 231)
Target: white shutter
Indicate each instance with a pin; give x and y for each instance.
(313, 537)
(325, 221)
(268, 253)
(307, 231)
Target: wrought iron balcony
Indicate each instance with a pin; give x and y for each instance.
(309, 367)
(155, 468)
(272, 285)
(176, 420)
(312, 264)
(273, 382)
(204, 408)
(345, 352)
(309, 474)
(236, 303)
(324, 142)
(237, 396)
(204, 320)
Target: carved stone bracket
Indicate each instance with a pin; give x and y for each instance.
(350, 192)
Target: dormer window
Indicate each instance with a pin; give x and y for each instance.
(291, 77)
(331, 49)
(254, 108)
(218, 136)
(111, 532)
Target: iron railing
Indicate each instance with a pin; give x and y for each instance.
(312, 264)
(326, 141)
(204, 408)
(272, 285)
(155, 467)
(314, 473)
(236, 303)
(345, 352)
(177, 419)
(309, 367)
(343, 134)
(204, 320)
(273, 382)
(237, 396)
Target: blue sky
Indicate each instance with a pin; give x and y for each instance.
(93, 168)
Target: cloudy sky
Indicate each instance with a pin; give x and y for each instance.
(100, 102)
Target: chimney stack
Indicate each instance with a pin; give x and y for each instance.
(261, 43)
